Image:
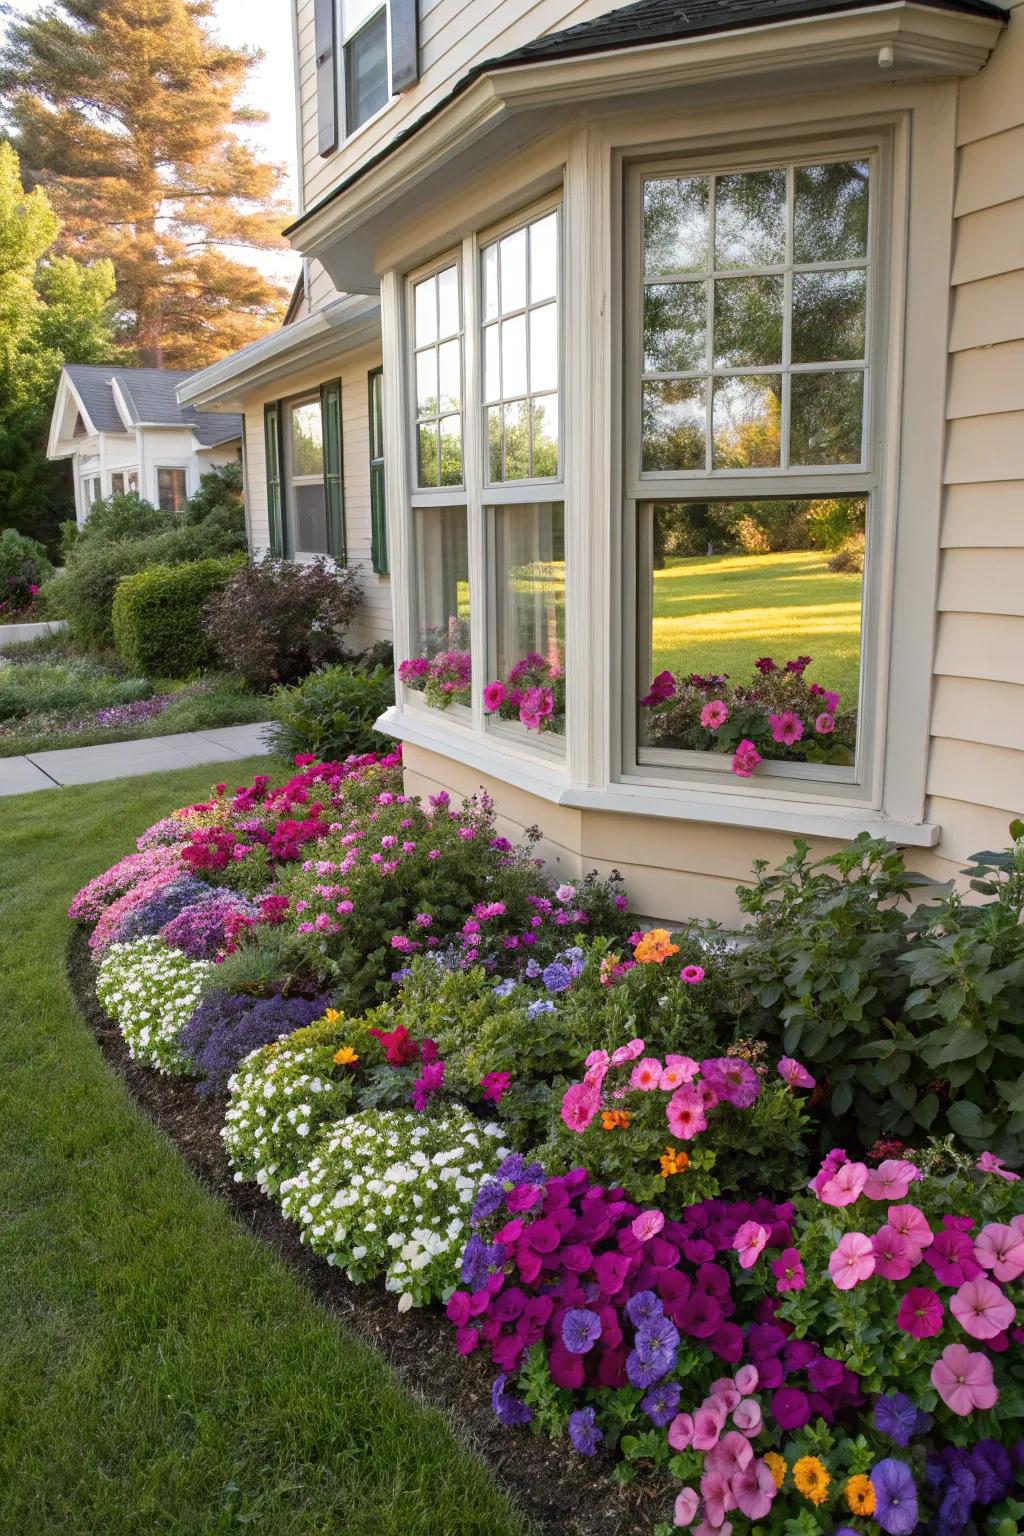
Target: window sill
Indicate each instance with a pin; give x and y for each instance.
(767, 811)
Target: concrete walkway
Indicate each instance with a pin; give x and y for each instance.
(91, 765)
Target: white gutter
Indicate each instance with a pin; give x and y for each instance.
(339, 326)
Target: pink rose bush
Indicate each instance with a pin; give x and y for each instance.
(779, 714)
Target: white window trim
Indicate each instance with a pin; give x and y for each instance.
(663, 767)
(159, 464)
(922, 119)
(346, 136)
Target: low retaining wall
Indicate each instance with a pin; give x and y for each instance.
(17, 634)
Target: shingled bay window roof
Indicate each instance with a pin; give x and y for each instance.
(636, 26)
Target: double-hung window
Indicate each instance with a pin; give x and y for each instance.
(753, 352)
(305, 499)
(364, 60)
(378, 504)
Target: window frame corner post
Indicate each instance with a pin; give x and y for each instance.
(334, 469)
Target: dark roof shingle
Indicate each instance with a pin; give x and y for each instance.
(150, 395)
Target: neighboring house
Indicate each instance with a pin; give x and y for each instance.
(124, 430)
(671, 301)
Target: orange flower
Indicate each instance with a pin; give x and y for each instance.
(674, 1160)
(346, 1057)
(655, 947)
(615, 1119)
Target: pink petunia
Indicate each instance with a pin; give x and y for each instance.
(580, 1105)
(981, 1309)
(787, 728)
(891, 1180)
(910, 1223)
(686, 1505)
(677, 1071)
(745, 759)
(714, 714)
(824, 725)
(921, 1313)
(895, 1255)
(646, 1075)
(852, 1261)
(755, 1490)
(628, 1052)
(989, 1163)
(846, 1186)
(747, 1379)
(647, 1225)
(789, 1271)
(794, 1073)
(707, 1428)
(748, 1418)
(685, 1112)
(963, 1380)
(1000, 1248)
(750, 1242)
(680, 1432)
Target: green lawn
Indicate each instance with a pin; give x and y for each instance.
(720, 613)
(160, 1370)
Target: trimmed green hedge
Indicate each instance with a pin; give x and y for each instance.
(157, 615)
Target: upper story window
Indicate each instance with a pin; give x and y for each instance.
(519, 310)
(753, 464)
(364, 60)
(437, 377)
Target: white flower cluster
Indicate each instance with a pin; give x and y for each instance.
(151, 991)
(279, 1101)
(390, 1192)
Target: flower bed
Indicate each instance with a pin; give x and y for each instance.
(591, 1148)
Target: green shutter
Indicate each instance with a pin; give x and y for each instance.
(330, 407)
(378, 508)
(275, 498)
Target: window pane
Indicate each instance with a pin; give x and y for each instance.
(512, 257)
(117, 484)
(517, 441)
(544, 348)
(828, 316)
(544, 258)
(673, 424)
(490, 274)
(732, 591)
(440, 607)
(492, 372)
(449, 362)
(746, 419)
(451, 450)
(830, 221)
(366, 72)
(825, 418)
(426, 382)
(426, 454)
(529, 584)
(750, 219)
(307, 439)
(544, 416)
(494, 461)
(676, 225)
(309, 507)
(513, 356)
(675, 327)
(448, 302)
(425, 297)
(172, 491)
(748, 321)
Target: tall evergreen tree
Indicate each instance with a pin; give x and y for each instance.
(124, 110)
(53, 309)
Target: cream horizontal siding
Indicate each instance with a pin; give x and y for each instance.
(976, 764)
(454, 36)
(374, 621)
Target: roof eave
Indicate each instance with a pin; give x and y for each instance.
(916, 41)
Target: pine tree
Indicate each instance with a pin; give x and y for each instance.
(53, 310)
(124, 110)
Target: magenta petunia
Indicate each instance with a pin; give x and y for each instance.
(791, 1408)
(789, 1271)
(920, 1313)
(895, 1255)
(794, 1073)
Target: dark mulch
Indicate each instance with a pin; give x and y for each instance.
(562, 1494)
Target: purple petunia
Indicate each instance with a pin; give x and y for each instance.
(643, 1308)
(581, 1330)
(895, 1497)
(897, 1417)
(509, 1410)
(583, 1431)
(662, 1403)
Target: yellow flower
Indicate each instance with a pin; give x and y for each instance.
(811, 1479)
(346, 1057)
(332, 1016)
(776, 1466)
(860, 1495)
(674, 1160)
(655, 946)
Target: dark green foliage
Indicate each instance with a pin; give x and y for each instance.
(127, 517)
(332, 712)
(156, 615)
(23, 565)
(911, 1021)
(277, 620)
(220, 493)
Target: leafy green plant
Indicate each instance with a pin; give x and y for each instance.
(277, 620)
(64, 686)
(24, 566)
(156, 615)
(332, 712)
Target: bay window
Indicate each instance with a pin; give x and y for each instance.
(750, 333)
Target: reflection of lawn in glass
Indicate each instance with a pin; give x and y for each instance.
(720, 613)
(538, 591)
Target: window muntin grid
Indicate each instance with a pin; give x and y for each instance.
(437, 378)
(755, 315)
(519, 301)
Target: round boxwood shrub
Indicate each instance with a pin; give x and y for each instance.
(332, 712)
(157, 615)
